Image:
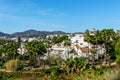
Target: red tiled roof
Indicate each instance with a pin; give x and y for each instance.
(84, 50)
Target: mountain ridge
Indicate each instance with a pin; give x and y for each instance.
(31, 33)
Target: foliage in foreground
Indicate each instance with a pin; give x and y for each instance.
(76, 69)
(92, 75)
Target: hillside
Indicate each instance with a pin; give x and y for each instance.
(4, 34)
(31, 33)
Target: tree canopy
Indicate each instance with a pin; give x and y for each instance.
(59, 39)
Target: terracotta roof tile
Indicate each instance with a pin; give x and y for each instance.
(84, 50)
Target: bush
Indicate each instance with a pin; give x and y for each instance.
(23, 64)
(53, 72)
(7, 75)
(1, 63)
(12, 65)
(118, 59)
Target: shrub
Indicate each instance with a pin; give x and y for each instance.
(12, 65)
(23, 65)
(118, 59)
(53, 72)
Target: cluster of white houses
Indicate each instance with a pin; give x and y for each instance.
(78, 44)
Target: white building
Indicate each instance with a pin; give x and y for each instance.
(22, 50)
(81, 47)
(78, 39)
(60, 49)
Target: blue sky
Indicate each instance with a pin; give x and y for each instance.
(58, 15)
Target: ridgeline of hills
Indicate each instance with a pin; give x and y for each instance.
(31, 33)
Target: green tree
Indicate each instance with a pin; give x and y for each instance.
(95, 41)
(2, 42)
(88, 39)
(93, 51)
(75, 66)
(68, 64)
(55, 59)
(67, 44)
(35, 49)
(54, 39)
(72, 51)
(10, 49)
(117, 59)
(117, 47)
(117, 51)
(60, 39)
(79, 64)
(107, 35)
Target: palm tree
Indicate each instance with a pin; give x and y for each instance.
(72, 51)
(93, 51)
(11, 49)
(88, 39)
(95, 41)
(35, 50)
(75, 66)
(106, 35)
(68, 64)
(79, 64)
(67, 43)
(48, 46)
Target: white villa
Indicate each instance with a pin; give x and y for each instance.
(60, 49)
(78, 39)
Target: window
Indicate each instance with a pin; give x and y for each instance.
(81, 44)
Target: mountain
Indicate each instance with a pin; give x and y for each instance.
(4, 34)
(32, 33)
